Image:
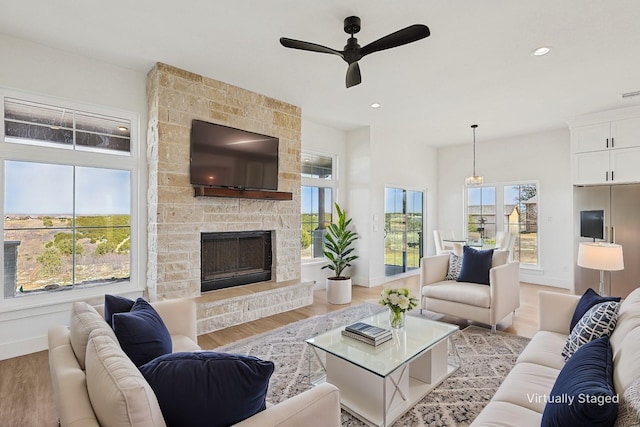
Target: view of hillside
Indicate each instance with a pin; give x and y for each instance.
(47, 245)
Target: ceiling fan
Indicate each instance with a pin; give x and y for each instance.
(352, 52)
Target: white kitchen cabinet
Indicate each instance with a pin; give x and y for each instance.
(608, 135)
(590, 168)
(606, 147)
(608, 166)
(591, 137)
(625, 165)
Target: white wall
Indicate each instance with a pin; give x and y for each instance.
(359, 175)
(543, 157)
(369, 160)
(41, 70)
(377, 160)
(326, 140)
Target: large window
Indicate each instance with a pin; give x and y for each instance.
(521, 219)
(403, 236)
(318, 184)
(481, 214)
(511, 208)
(68, 191)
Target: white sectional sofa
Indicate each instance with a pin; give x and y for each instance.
(130, 401)
(519, 401)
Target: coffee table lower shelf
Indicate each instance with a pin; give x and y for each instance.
(380, 400)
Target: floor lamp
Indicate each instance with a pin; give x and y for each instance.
(601, 256)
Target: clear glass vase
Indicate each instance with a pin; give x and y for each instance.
(396, 319)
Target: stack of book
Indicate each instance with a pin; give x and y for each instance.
(369, 334)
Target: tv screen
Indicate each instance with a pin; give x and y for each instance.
(222, 156)
(592, 224)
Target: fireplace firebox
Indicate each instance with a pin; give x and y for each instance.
(234, 258)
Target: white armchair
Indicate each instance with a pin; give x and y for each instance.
(473, 301)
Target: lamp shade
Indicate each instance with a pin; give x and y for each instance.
(600, 256)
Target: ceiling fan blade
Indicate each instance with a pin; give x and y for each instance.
(353, 74)
(297, 44)
(399, 38)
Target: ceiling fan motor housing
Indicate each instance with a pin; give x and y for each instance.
(352, 25)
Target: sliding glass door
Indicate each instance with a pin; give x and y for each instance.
(403, 221)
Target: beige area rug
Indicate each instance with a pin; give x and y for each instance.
(485, 360)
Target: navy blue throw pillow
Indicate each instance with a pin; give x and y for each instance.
(116, 304)
(141, 332)
(583, 394)
(588, 300)
(207, 388)
(475, 265)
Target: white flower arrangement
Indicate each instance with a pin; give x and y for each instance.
(398, 300)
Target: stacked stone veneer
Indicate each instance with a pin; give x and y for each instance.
(176, 217)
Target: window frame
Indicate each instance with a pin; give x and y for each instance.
(45, 153)
(320, 183)
(500, 211)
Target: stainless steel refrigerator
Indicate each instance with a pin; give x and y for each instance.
(621, 205)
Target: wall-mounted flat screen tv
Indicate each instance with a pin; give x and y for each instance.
(592, 224)
(222, 156)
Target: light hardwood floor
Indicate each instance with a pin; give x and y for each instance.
(25, 387)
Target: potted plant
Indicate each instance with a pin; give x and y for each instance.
(339, 252)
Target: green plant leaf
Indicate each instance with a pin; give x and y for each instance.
(338, 241)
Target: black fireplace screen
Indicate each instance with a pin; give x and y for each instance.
(234, 258)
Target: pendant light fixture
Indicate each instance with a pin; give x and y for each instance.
(474, 179)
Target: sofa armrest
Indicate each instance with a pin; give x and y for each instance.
(179, 315)
(68, 382)
(555, 311)
(317, 407)
(433, 269)
(505, 290)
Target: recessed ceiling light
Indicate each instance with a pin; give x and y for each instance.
(122, 128)
(541, 51)
(375, 105)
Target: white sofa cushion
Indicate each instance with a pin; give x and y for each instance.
(628, 320)
(545, 349)
(463, 292)
(84, 319)
(626, 368)
(527, 385)
(499, 414)
(119, 394)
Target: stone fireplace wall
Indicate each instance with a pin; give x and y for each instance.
(176, 217)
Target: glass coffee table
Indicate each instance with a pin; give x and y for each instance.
(379, 384)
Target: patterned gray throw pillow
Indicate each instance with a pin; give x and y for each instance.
(455, 264)
(598, 321)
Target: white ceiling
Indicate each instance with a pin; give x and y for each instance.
(476, 66)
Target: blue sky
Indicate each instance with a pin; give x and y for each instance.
(37, 188)
(310, 200)
(393, 200)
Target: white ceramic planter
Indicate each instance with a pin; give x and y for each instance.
(339, 291)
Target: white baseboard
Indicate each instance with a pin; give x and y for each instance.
(22, 347)
(545, 280)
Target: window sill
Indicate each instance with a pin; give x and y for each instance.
(50, 301)
(313, 261)
(532, 268)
